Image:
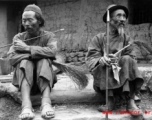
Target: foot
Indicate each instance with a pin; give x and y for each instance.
(111, 105)
(27, 114)
(133, 109)
(103, 108)
(47, 111)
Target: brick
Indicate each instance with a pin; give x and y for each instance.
(80, 54)
(75, 59)
(69, 59)
(81, 58)
(73, 54)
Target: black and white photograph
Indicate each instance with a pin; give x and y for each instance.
(75, 59)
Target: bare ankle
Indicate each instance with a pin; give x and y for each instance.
(46, 100)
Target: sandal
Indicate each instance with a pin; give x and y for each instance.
(27, 113)
(47, 111)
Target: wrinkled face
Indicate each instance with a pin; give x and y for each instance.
(30, 23)
(118, 20)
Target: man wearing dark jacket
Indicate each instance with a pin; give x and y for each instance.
(124, 76)
(33, 71)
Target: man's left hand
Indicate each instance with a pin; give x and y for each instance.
(113, 58)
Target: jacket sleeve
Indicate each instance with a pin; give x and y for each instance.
(15, 57)
(95, 52)
(47, 51)
(16, 37)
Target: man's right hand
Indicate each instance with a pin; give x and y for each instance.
(21, 46)
(105, 61)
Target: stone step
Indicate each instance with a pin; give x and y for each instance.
(65, 91)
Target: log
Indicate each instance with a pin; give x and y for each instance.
(9, 89)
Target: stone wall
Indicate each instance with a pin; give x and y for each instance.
(82, 19)
(143, 33)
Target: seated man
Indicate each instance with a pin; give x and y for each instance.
(128, 80)
(31, 59)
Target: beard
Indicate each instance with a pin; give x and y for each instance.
(121, 31)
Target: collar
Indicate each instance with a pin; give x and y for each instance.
(27, 35)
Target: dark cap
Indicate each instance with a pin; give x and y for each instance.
(34, 8)
(113, 8)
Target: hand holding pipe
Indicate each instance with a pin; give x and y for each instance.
(121, 50)
(133, 42)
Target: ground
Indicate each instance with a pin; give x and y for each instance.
(9, 109)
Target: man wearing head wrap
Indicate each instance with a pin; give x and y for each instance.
(124, 77)
(33, 71)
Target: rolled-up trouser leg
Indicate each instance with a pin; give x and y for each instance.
(45, 74)
(23, 70)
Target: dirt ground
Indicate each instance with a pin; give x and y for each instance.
(9, 109)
